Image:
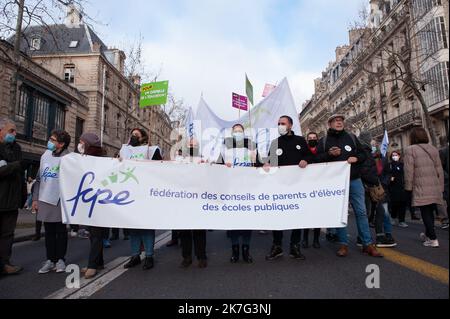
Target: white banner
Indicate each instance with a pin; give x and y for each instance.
(153, 195)
(264, 122)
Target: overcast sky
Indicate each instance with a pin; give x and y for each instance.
(207, 46)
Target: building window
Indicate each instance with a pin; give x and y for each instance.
(35, 44)
(105, 120)
(69, 73)
(37, 115)
(73, 44)
(119, 91)
(79, 129)
(437, 89)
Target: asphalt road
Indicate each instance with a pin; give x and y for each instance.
(408, 271)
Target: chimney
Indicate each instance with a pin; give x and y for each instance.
(73, 17)
(117, 58)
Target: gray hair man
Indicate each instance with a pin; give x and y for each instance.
(12, 182)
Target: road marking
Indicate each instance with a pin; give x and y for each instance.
(418, 265)
(112, 271)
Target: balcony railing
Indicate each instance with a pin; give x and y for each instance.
(411, 118)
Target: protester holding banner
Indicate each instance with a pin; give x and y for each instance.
(424, 177)
(90, 145)
(46, 201)
(189, 236)
(288, 150)
(313, 141)
(339, 145)
(138, 149)
(239, 151)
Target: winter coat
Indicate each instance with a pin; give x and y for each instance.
(13, 191)
(350, 146)
(424, 175)
(289, 150)
(396, 182)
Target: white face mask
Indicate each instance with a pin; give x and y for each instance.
(80, 148)
(239, 136)
(395, 158)
(283, 130)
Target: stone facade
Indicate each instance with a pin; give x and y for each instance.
(74, 53)
(44, 102)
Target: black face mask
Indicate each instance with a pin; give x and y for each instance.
(193, 151)
(134, 141)
(313, 143)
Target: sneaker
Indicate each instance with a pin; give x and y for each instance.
(359, 242)
(275, 252)
(296, 253)
(73, 234)
(106, 243)
(385, 242)
(403, 225)
(148, 263)
(83, 233)
(60, 266)
(47, 267)
(394, 222)
(444, 226)
(431, 243)
(423, 237)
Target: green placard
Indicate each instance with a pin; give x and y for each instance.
(154, 94)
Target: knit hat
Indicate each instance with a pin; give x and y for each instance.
(91, 139)
(335, 116)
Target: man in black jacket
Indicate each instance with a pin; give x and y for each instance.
(339, 145)
(12, 183)
(288, 150)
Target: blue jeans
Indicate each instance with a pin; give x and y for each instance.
(145, 236)
(246, 237)
(387, 220)
(357, 200)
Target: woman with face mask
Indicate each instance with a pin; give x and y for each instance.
(47, 204)
(90, 145)
(138, 149)
(397, 194)
(239, 151)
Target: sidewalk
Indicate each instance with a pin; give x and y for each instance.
(25, 229)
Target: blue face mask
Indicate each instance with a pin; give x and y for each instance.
(51, 146)
(9, 138)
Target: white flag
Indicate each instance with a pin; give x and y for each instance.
(385, 144)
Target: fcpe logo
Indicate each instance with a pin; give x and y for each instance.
(50, 172)
(103, 196)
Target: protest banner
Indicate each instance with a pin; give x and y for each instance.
(155, 195)
(154, 94)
